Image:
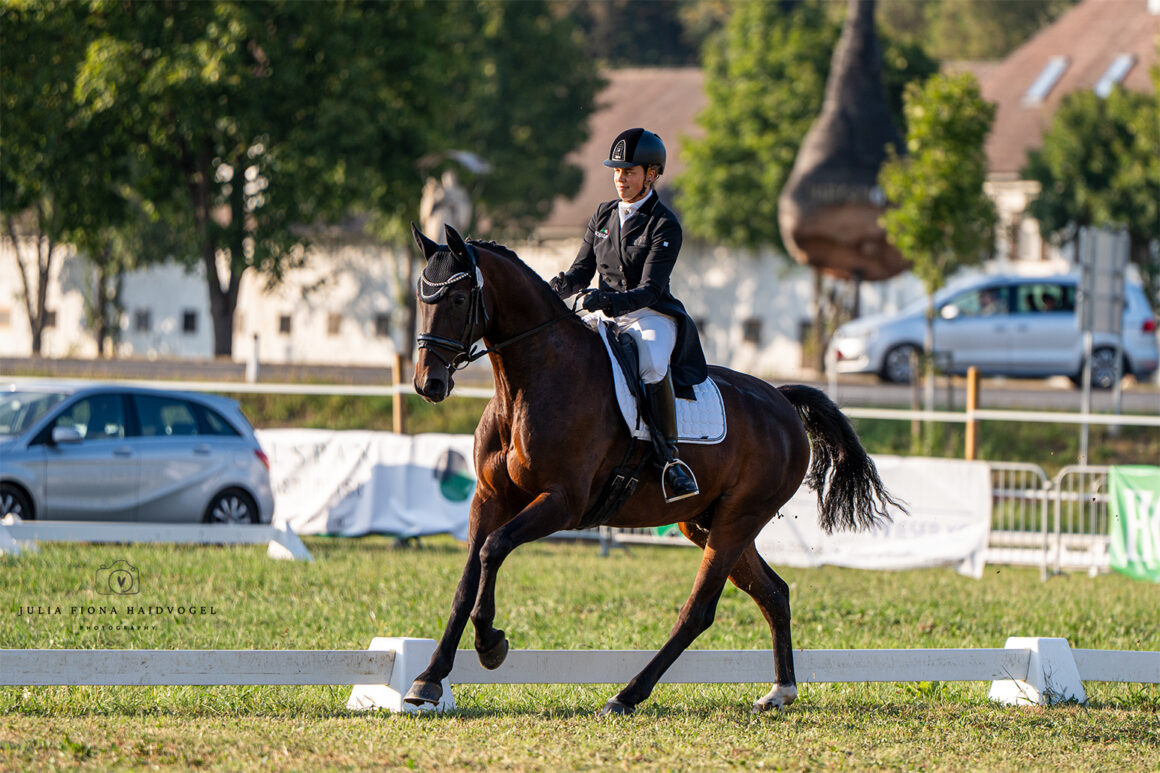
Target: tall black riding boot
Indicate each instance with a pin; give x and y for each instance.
(677, 481)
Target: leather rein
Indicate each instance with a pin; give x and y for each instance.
(462, 350)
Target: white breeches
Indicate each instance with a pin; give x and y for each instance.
(655, 335)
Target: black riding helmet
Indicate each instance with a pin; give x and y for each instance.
(636, 147)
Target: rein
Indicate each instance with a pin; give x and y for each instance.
(462, 350)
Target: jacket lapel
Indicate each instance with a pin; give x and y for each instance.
(635, 224)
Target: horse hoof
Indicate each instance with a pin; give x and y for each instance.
(494, 657)
(424, 692)
(779, 697)
(616, 708)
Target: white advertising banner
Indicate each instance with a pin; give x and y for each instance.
(351, 483)
(949, 522)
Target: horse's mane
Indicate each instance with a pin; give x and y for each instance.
(508, 253)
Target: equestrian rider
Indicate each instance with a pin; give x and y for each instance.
(632, 243)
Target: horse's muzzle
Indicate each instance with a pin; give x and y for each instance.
(433, 390)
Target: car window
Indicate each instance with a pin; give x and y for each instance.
(213, 423)
(983, 302)
(1044, 297)
(19, 410)
(99, 417)
(162, 416)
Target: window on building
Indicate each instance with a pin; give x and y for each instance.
(1114, 75)
(1046, 81)
(702, 323)
(333, 324)
(751, 331)
(49, 318)
(382, 325)
(142, 321)
(284, 324)
(189, 321)
(5, 316)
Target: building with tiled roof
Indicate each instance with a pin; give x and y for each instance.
(1097, 44)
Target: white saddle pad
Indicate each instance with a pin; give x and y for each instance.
(700, 420)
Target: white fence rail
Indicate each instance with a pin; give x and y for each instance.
(17, 536)
(1027, 670)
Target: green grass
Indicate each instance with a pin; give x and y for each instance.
(560, 595)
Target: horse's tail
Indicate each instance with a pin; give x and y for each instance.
(850, 493)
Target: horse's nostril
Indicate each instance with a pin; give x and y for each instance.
(434, 387)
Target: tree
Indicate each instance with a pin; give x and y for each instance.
(256, 118)
(1098, 167)
(54, 163)
(939, 216)
(765, 79)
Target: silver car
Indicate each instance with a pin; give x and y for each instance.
(1003, 325)
(121, 453)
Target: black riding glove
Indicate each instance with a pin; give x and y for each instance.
(561, 285)
(601, 300)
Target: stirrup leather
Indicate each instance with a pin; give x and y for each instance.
(676, 497)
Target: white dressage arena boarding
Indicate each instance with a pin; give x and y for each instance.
(1028, 671)
(17, 536)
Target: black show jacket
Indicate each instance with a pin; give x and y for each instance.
(635, 264)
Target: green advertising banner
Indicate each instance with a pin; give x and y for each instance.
(1134, 521)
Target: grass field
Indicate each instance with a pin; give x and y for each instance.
(557, 595)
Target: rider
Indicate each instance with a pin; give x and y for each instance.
(633, 243)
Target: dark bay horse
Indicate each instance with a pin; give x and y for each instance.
(552, 434)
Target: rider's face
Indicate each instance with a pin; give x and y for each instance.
(630, 183)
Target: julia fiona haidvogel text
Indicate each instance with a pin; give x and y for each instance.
(140, 610)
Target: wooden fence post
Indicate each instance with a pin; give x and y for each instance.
(398, 404)
(972, 438)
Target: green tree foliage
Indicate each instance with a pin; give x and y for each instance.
(939, 216)
(523, 120)
(253, 119)
(765, 78)
(56, 166)
(1099, 166)
(970, 29)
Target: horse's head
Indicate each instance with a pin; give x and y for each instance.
(451, 312)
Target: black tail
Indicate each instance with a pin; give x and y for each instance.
(850, 493)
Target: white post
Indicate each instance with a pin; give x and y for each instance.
(411, 657)
(252, 366)
(1052, 676)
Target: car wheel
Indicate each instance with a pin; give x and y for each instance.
(1104, 369)
(13, 501)
(896, 364)
(231, 506)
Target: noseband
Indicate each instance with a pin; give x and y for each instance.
(476, 318)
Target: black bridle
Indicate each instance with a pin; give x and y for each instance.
(462, 351)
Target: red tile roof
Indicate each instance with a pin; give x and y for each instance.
(1092, 34)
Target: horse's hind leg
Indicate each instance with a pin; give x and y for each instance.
(695, 617)
(753, 575)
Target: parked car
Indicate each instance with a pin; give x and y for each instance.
(121, 453)
(1003, 325)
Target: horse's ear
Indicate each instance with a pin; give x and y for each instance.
(455, 242)
(426, 246)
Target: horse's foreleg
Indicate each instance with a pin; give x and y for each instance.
(545, 515)
(695, 617)
(427, 687)
(753, 575)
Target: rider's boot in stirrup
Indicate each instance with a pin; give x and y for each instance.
(677, 481)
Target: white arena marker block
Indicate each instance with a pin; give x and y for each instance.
(411, 657)
(8, 545)
(1052, 676)
(285, 545)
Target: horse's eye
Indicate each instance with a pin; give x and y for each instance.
(459, 299)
